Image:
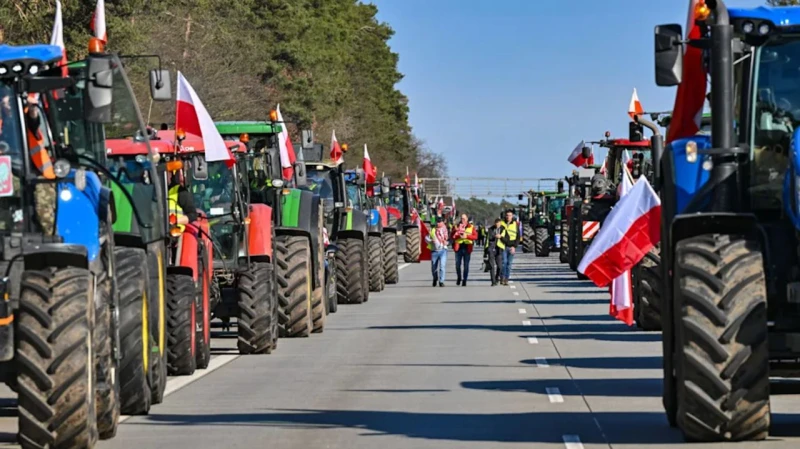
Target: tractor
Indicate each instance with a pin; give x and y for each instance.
(582, 224)
(546, 221)
(357, 189)
(297, 218)
(409, 239)
(729, 220)
(380, 196)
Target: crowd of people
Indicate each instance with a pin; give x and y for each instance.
(499, 243)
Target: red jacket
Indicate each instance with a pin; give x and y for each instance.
(473, 235)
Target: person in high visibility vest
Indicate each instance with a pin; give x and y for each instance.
(181, 201)
(44, 194)
(464, 236)
(493, 254)
(508, 244)
(437, 243)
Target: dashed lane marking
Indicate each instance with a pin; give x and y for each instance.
(510, 282)
(403, 266)
(526, 323)
(516, 293)
(572, 441)
(522, 311)
(513, 286)
(554, 394)
(533, 340)
(541, 362)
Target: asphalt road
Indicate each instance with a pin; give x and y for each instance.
(536, 364)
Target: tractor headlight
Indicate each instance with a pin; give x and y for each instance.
(691, 151)
(277, 183)
(3, 70)
(62, 168)
(17, 68)
(764, 29)
(33, 69)
(748, 27)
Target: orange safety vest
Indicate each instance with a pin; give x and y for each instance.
(39, 155)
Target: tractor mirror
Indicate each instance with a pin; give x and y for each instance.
(274, 164)
(669, 55)
(300, 174)
(560, 186)
(635, 132)
(98, 93)
(519, 197)
(586, 152)
(386, 185)
(160, 85)
(199, 168)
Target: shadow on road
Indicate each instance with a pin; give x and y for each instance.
(604, 362)
(619, 336)
(586, 328)
(571, 302)
(633, 387)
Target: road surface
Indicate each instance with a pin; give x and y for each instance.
(537, 364)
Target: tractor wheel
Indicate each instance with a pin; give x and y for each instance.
(648, 315)
(412, 245)
(349, 271)
(294, 281)
(528, 240)
(330, 286)
(135, 394)
(722, 355)
(318, 313)
(390, 271)
(563, 254)
(181, 325)
(375, 251)
(203, 315)
(257, 302)
(542, 247)
(572, 247)
(55, 360)
(107, 406)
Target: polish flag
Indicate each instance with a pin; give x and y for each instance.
(576, 157)
(370, 172)
(336, 151)
(192, 117)
(621, 288)
(98, 24)
(628, 233)
(691, 96)
(57, 38)
(416, 184)
(603, 168)
(288, 157)
(635, 107)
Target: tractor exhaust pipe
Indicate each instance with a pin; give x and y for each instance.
(656, 144)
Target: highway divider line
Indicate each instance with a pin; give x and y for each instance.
(526, 323)
(572, 441)
(403, 266)
(522, 311)
(533, 340)
(554, 394)
(541, 362)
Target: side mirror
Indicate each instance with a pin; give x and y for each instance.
(669, 55)
(98, 95)
(635, 132)
(199, 168)
(300, 174)
(586, 152)
(328, 206)
(273, 161)
(160, 85)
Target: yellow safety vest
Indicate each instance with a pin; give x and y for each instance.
(510, 230)
(467, 231)
(174, 208)
(487, 237)
(432, 238)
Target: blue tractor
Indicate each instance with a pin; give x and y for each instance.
(356, 186)
(730, 222)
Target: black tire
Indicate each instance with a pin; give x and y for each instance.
(572, 244)
(135, 394)
(648, 291)
(563, 253)
(330, 285)
(390, 269)
(294, 285)
(158, 377)
(107, 406)
(257, 301)
(412, 245)
(181, 326)
(528, 240)
(721, 346)
(349, 270)
(203, 315)
(541, 245)
(318, 315)
(55, 361)
(375, 258)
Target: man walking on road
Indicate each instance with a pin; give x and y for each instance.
(437, 243)
(464, 236)
(508, 244)
(494, 255)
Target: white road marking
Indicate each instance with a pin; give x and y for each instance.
(526, 323)
(572, 441)
(510, 282)
(403, 266)
(541, 362)
(516, 293)
(176, 383)
(513, 286)
(522, 311)
(554, 394)
(533, 340)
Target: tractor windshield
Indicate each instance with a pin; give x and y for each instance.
(354, 196)
(10, 159)
(396, 199)
(214, 195)
(319, 182)
(555, 204)
(776, 113)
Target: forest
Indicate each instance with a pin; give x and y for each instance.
(327, 62)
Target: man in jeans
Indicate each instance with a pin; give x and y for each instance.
(437, 243)
(509, 244)
(464, 236)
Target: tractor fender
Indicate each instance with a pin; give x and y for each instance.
(259, 231)
(354, 221)
(350, 235)
(390, 230)
(297, 209)
(186, 271)
(38, 256)
(242, 262)
(691, 225)
(77, 213)
(374, 224)
(190, 245)
(408, 226)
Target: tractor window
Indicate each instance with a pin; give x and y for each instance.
(353, 194)
(776, 112)
(319, 182)
(396, 199)
(69, 127)
(11, 162)
(555, 204)
(214, 195)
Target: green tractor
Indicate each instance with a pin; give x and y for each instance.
(546, 221)
(298, 223)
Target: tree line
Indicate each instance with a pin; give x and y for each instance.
(327, 62)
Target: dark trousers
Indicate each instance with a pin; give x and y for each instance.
(495, 264)
(462, 255)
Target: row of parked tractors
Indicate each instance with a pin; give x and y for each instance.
(107, 290)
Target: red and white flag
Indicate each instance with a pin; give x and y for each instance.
(631, 230)
(288, 157)
(98, 25)
(621, 288)
(192, 117)
(370, 172)
(576, 157)
(687, 112)
(416, 184)
(603, 168)
(635, 107)
(336, 151)
(57, 38)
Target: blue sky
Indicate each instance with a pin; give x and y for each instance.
(509, 87)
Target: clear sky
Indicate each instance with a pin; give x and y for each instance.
(508, 87)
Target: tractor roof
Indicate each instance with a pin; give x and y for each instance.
(247, 127)
(643, 144)
(192, 143)
(27, 55)
(779, 16)
(128, 147)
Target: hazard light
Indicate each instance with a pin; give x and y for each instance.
(175, 231)
(96, 45)
(273, 115)
(701, 11)
(244, 138)
(344, 148)
(173, 219)
(174, 165)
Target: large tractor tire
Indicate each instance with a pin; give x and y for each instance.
(107, 406)
(572, 245)
(294, 285)
(350, 263)
(528, 240)
(541, 245)
(563, 251)
(722, 356)
(390, 269)
(203, 315)
(330, 285)
(375, 258)
(181, 325)
(135, 394)
(413, 240)
(55, 360)
(648, 291)
(257, 303)
(318, 310)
